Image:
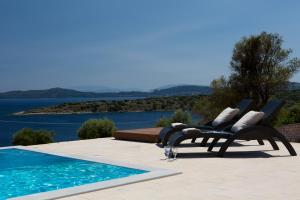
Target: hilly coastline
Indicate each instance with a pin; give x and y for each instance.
(184, 90)
(136, 105)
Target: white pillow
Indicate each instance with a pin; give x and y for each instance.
(186, 130)
(249, 119)
(177, 124)
(225, 116)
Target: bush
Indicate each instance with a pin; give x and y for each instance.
(178, 116)
(181, 116)
(288, 115)
(96, 128)
(295, 113)
(163, 122)
(27, 136)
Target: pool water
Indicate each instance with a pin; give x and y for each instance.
(24, 172)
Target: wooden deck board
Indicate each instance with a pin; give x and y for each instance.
(140, 135)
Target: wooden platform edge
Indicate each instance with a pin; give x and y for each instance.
(149, 135)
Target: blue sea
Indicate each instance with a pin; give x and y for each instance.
(64, 126)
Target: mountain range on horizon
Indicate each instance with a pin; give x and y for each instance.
(181, 90)
(105, 89)
(175, 90)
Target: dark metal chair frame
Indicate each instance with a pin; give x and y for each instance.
(261, 131)
(245, 105)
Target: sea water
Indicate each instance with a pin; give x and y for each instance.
(65, 126)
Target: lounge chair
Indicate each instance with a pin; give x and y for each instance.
(244, 106)
(261, 131)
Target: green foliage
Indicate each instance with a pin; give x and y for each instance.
(204, 108)
(290, 97)
(210, 106)
(96, 128)
(294, 113)
(163, 122)
(260, 66)
(288, 115)
(148, 104)
(178, 116)
(27, 136)
(181, 116)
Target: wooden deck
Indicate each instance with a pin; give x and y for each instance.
(140, 135)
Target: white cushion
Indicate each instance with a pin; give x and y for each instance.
(225, 116)
(186, 130)
(249, 119)
(177, 124)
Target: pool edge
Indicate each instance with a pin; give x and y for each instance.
(154, 173)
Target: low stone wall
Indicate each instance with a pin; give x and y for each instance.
(291, 131)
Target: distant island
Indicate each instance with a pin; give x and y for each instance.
(183, 90)
(166, 99)
(137, 105)
(163, 103)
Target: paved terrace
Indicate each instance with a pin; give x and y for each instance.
(253, 174)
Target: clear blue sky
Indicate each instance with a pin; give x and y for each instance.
(140, 44)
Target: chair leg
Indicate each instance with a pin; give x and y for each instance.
(204, 141)
(273, 143)
(193, 140)
(213, 143)
(225, 146)
(286, 143)
(260, 142)
(164, 143)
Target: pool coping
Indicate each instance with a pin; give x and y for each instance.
(154, 173)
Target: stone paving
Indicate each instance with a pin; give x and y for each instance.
(248, 171)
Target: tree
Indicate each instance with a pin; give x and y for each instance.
(260, 66)
(222, 96)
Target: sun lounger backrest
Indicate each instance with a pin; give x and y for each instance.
(271, 109)
(245, 105)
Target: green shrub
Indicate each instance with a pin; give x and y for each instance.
(27, 136)
(181, 116)
(163, 122)
(178, 116)
(96, 128)
(288, 115)
(282, 118)
(206, 108)
(294, 113)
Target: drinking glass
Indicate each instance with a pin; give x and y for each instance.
(168, 151)
(174, 152)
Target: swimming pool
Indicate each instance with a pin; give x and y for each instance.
(24, 172)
